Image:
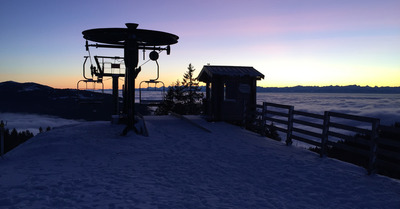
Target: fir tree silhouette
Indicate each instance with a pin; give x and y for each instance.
(183, 97)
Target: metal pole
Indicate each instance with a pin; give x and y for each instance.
(115, 94)
(131, 58)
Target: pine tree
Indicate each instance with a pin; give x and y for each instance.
(172, 99)
(183, 97)
(14, 138)
(191, 84)
(14, 134)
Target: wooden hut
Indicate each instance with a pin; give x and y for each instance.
(230, 91)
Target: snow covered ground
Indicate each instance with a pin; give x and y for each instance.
(89, 165)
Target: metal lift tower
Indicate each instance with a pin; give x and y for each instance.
(131, 39)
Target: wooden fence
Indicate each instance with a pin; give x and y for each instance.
(328, 130)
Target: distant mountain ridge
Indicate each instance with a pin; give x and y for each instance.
(332, 89)
(40, 99)
(324, 89)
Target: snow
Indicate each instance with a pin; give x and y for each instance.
(180, 165)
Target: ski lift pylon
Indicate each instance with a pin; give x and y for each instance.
(131, 40)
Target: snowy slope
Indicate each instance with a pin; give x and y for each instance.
(179, 165)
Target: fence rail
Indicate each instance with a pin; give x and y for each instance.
(328, 130)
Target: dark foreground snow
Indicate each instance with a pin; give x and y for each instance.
(179, 165)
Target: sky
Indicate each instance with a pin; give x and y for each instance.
(309, 42)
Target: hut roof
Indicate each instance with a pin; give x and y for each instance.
(209, 71)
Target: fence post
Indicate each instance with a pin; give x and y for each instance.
(373, 146)
(263, 119)
(289, 127)
(325, 130)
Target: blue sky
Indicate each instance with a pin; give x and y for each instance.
(309, 42)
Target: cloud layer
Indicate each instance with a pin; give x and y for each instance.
(33, 122)
(382, 106)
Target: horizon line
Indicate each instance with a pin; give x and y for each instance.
(294, 86)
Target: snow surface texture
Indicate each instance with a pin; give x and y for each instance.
(89, 165)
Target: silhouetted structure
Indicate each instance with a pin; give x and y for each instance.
(230, 91)
(131, 39)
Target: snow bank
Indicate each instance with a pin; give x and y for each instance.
(89, 165)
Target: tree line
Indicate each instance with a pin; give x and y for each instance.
(14, 138)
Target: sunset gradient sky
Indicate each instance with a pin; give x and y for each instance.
(292, 42)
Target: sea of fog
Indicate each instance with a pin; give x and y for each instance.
(386, 107)
(383, 106)
(32, 122)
